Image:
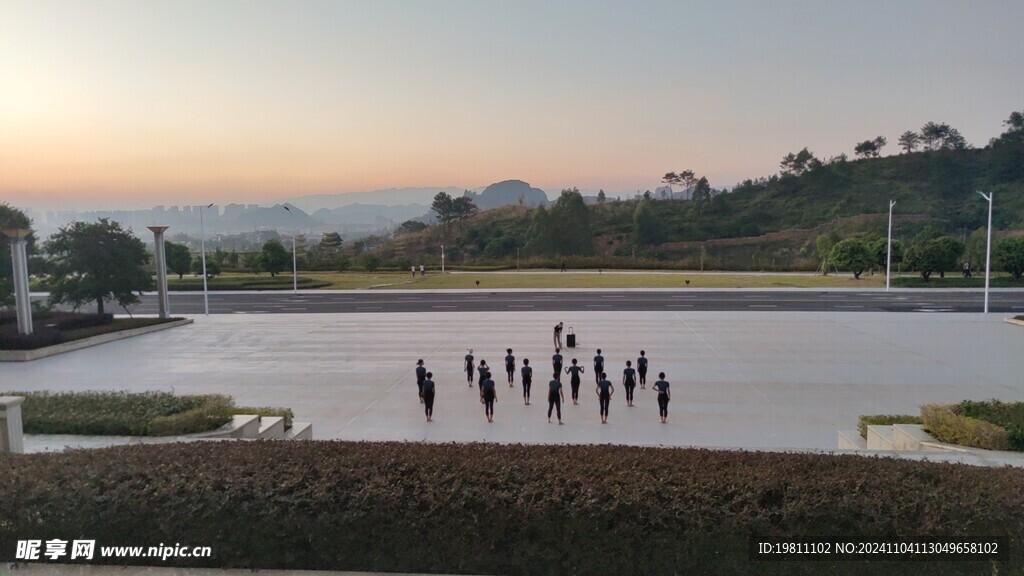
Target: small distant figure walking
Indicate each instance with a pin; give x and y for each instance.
(556, 364)
(423, 271)
(527, 373)
(598, 366)
(604, 392)
(555, 397)
(428, 396)
(629, 382)
(557, 336)
(563, 266)
(413, 270)
(510, 366)
(574, 372)
(641, 369)
(488, 396)
(470, 369)
(967, 269)
(663, 397)
(484, 373)
(421, 375)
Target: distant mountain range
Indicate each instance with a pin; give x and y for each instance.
(389, 197)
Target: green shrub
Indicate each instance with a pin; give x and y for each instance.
(884, 420)
(1008, 415)
(212, 412)
(285, 413)
(37, 339)
(947, 426)
(505, 509)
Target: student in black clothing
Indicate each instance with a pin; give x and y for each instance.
(574, 372)
(629, 382)
(421, 375)
(598, 366)
(556, 363)
(641, 368)
(428, 396)
(663, 397)
(604, 392)
(510, 366)
(555, 397)
(488, 395)
(470, 370)
(527, 374)
(485, 373)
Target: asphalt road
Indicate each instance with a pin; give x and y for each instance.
(922, 301)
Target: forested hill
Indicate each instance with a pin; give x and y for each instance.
(809, 197)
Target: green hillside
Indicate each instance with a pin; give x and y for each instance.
(769, 223)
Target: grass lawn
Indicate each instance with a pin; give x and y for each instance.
(616, 279)
(243, 281)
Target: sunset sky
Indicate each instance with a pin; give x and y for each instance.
(135, 103)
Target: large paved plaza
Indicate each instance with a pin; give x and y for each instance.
(739, 379)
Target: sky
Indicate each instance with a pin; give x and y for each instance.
(116, 104)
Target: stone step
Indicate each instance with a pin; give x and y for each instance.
(272, 427)
(909, 437)
(241, 426)
(879, 437)
(300, 431)
(851, 440)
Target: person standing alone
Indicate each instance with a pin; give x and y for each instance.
(510, 366)
(663, 397)
(641, 368)
(555, 397)
(428, 396)
(421, 375)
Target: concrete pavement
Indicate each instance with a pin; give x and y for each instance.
(758, 381)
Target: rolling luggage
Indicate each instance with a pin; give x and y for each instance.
(570, 338)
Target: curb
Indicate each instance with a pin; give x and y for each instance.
(1014, 321)
(29, 355)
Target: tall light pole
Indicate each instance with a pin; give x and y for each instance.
(888, 250)
(442, 258)
(988, 244)
(202, 255)
(295, 269)
(19, 260)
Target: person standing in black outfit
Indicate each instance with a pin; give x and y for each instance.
(574, 372)
(421, 375)
(629, 382)
(663, 397)
(604, 392)
(510, 366)
(555, 397)
(598, 366)
(428, 396)
(556, 364)
(485, 373)
(641, 368)
(470, 370)
(527, 374)
(488, 395)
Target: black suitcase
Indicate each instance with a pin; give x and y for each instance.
(570, 338)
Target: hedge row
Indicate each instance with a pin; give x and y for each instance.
(948, 426)
(884, 420)
(500, 509)
(1007, 415)
(121, 413)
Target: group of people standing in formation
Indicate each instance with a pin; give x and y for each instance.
(603, 389)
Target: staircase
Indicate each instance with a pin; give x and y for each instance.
(252, 426)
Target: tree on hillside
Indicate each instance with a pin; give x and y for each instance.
(684, 179)
(870, 148)
(442, 206)
(11, 218)
(909, 141)
(564, 230)
(647, 227)
(410, 226)
(799, 163)
(702, 194)
(1008, 150)
(942, 137)
(274, 257)
(935, 255)
(851, 254)
(178, 258)
(1008, 255)
(97, 262)
(462, 208)
(600, 197)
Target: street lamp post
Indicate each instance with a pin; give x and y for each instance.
(295, 269)
(888, 250)
(442, 258)
(202, 255)
(988, 244)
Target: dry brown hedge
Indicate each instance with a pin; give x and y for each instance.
(499, 509)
